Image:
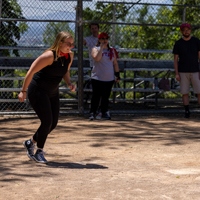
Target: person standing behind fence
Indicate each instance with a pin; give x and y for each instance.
(103, 75)
(42, 81)
(186, 56)
(92, 40)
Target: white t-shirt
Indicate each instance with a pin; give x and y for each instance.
(103, 70)
(91, 41)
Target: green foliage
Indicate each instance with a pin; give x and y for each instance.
(191, 14)
(11, 30)
(149, 37)
(52, 29)
(104, 12)
(145, 37)
(21, 72)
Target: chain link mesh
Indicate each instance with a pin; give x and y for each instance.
(142, 31)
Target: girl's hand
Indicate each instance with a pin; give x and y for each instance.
(178, 77)
(102, 45)
(22, 96)
(72, 87)
(117, 79)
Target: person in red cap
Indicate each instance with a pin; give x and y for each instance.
(105, 71)
(185, 25)
(186, 63)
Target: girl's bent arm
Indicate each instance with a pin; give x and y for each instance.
(115, 64)
(66, 77)
(42, 61)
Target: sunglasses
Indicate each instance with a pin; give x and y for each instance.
(69, 44)
(187, 30)
(106, 38)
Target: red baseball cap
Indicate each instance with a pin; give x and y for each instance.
(103, 35)
(185, 25)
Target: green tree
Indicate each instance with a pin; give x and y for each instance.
(148, 37)
(52, 29)
(145, 37)
(11, 30)
(191, 14)
(104, 12)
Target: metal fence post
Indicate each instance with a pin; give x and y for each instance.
(1, 82)
(184, 14)
(80, 57)
(113, 31)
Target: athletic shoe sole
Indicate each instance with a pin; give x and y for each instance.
(31, 157)
(39, 161)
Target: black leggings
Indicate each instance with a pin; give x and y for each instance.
(100, 89)
(47, 108)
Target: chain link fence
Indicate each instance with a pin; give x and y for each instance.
(142, 31)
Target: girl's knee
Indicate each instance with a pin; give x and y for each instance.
(54, 124)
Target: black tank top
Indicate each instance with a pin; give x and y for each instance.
(50, 76)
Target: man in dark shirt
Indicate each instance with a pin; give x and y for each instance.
(186, 63)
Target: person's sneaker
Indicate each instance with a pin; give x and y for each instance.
(91, 117)
(30, 146)
(187, 114)
(106, 116)
(39, 156)
(99, 116)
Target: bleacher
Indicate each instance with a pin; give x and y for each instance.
(140, 84)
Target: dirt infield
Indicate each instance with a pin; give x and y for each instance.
(151, 158)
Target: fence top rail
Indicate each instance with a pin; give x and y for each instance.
(88, 22)
(150, 4)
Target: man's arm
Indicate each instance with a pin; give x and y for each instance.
(199, 63)
(116, 69)
(199, 59)
(176, 67)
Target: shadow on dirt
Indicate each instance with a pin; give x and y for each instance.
(75, 166)
(122, 131)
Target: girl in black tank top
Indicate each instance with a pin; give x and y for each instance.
(42, 81)
(49, 77)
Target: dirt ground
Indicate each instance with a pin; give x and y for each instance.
(129, 157)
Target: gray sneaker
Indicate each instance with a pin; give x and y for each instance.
(39, 156)
(30, 146)
(106, 116)
(91, 117)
